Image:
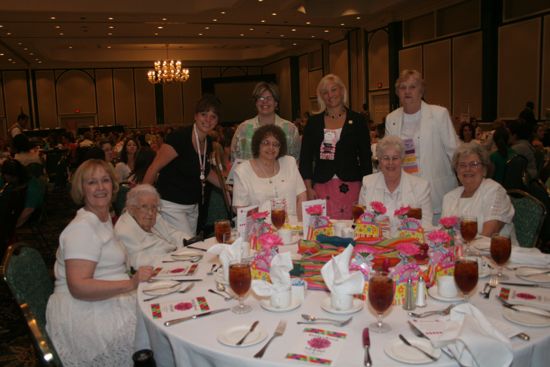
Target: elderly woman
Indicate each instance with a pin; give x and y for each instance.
(393, 186)
(478, 196)
(266, 97)
(146, 236)
(91, 316)
(270, 174)
(336, 150)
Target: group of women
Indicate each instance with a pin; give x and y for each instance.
(92, 314)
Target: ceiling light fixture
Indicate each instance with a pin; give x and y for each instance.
(167, 71)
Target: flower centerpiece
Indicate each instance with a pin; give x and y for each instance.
(441, 255)
(318, 224)
(259, 227)
(268, 246)
(450, 225)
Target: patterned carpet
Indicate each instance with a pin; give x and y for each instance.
(15, 344)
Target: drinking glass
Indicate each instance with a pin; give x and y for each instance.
(240, 278)
(415, 213)
(501, 249)
(381, 292)
(278, 212)
(468, 230)
(466, 275)
(222, 230)
(356, 211)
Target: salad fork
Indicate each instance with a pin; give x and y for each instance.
(310, 319)
(443, 312)
(279, 331)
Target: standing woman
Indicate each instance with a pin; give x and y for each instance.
(336, 150)
(127, 160)
(182, 167)
(91, 316)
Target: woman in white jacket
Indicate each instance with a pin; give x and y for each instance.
(394, 187)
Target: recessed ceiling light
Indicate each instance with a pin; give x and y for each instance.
(57, 26)
(313, 36)
(308, 22)
(10, 59)
(214, 20)
(52, 18)
(1, 54)
(25, 49)
(242, 34)
(14, 62)
(357, 17)
(156, 34)
(31, 53)
(160, 27)
(207, 28)
(111, 18)
(1, 26)
(273, 13)
(222, 12)
(61, 33)
(37, 59)
(8, 33)
(19, 43)
(109, 34)
(165, 19)
(262, 21)
(200, 34)
(108, 46)
(70, 47)
(294, 44)
(111, 27)
(281, 35)
(260, 1)
(326, 31)
(40, 62)
(293, 29)
(342, 24)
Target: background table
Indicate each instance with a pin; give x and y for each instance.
(194, 343)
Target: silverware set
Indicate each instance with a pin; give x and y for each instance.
(310, 319)
(489, 286)
(279, 331)
(225, 297)
(184, 290)
(443, 312)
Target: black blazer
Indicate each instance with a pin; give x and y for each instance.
(352, 160)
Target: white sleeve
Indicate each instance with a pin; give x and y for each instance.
(241, 193)
(497, 204)
(449, 139)
(80, 241)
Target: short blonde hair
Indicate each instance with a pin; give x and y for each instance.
(405, 75)
(388, 142)
(323, 86)
(85, 170)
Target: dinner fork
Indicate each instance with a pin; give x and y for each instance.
(279, 331)
(443, 312)
(420, 334)
(493, 282)
(166, 294)
(319, 320)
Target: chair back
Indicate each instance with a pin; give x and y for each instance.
(12, 202)
(26, 275)
(515, 173)
(528, 218)
(120, 202)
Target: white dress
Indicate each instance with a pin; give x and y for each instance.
(249, 189)
(91, 333)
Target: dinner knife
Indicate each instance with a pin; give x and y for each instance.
(525, 308)
(251, 329)
(367, 362)
(404, 340)
(193, 317)
(533, 285)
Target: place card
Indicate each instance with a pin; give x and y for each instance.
(174, 271)
(317, 346)
(306, 216)
(527, 296)
(179, 308)
(245, 220)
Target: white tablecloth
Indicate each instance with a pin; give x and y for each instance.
(194, 343)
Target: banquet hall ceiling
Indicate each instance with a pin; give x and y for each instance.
(67, 33)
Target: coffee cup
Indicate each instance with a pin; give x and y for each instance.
(281, 299)
(446, 286)
(339, 228)
(341, 302)
(286, 235)
(298, 289)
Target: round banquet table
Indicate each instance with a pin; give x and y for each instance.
(194, 342)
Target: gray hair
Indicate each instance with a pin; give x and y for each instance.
(134, 194)
(390, 141)
(405, 75)
(323, 86)
(471, 148)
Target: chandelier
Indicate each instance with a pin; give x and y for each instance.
(167, 71)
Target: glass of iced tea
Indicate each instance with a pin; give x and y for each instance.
(381, 292)
(415, 213)
(468, 230)
(356, 211)
(466, 275)
(240, 279)
(501, 249)
(222, 230)
(278, 212)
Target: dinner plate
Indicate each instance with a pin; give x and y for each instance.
(186, 254)
(524, 272)
(162, 287)
(231, 336)
(357, 305)
(525, 318)
(401, 352)
(266, 305)
(434, 293)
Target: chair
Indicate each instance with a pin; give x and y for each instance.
(515, 174)
(529, 217)
(120, 201)
(12, 202)
(26, 275)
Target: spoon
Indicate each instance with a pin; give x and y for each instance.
(310, 319)
(221, 288)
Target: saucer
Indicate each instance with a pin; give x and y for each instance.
(525, 319)
(231, 336)
(397, 350)
(524, 272)
(356, 306)
(434, 293)
(266, 305)
(161, 288)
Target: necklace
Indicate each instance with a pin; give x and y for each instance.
(202, 159)
(335, 116)
(270, 179)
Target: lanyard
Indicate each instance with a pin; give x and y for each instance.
(202, 160)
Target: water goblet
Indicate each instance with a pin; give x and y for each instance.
(468, 230)
(501, 249)
(381, 292)
(466, 275)
(240, 278)
(278, 212)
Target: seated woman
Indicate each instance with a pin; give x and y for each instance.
(394, 187)
(146, 236)
(91, 316)
(270, 174)
(478, 196)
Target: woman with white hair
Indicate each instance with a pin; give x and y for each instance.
(393, 186)
(146, 235)
(335, 151)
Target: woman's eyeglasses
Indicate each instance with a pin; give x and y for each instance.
(267, 143)
(472, 165)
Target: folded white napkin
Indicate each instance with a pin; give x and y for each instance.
(473, 339)
(529, 256)
(337, 276)
(228, 254)
(281, 264)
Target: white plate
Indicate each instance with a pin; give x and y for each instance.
(266, 304)
(525, 318)
(397, 350)
(356, 306)
(434, 293)
(540, 278)
(185, 254)
(231, 336)
(162, 287)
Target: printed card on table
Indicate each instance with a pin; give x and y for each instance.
(316, 346)
(527, 296)
(306, 216)
(180, 308)
(175, 271)
(245, 221)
